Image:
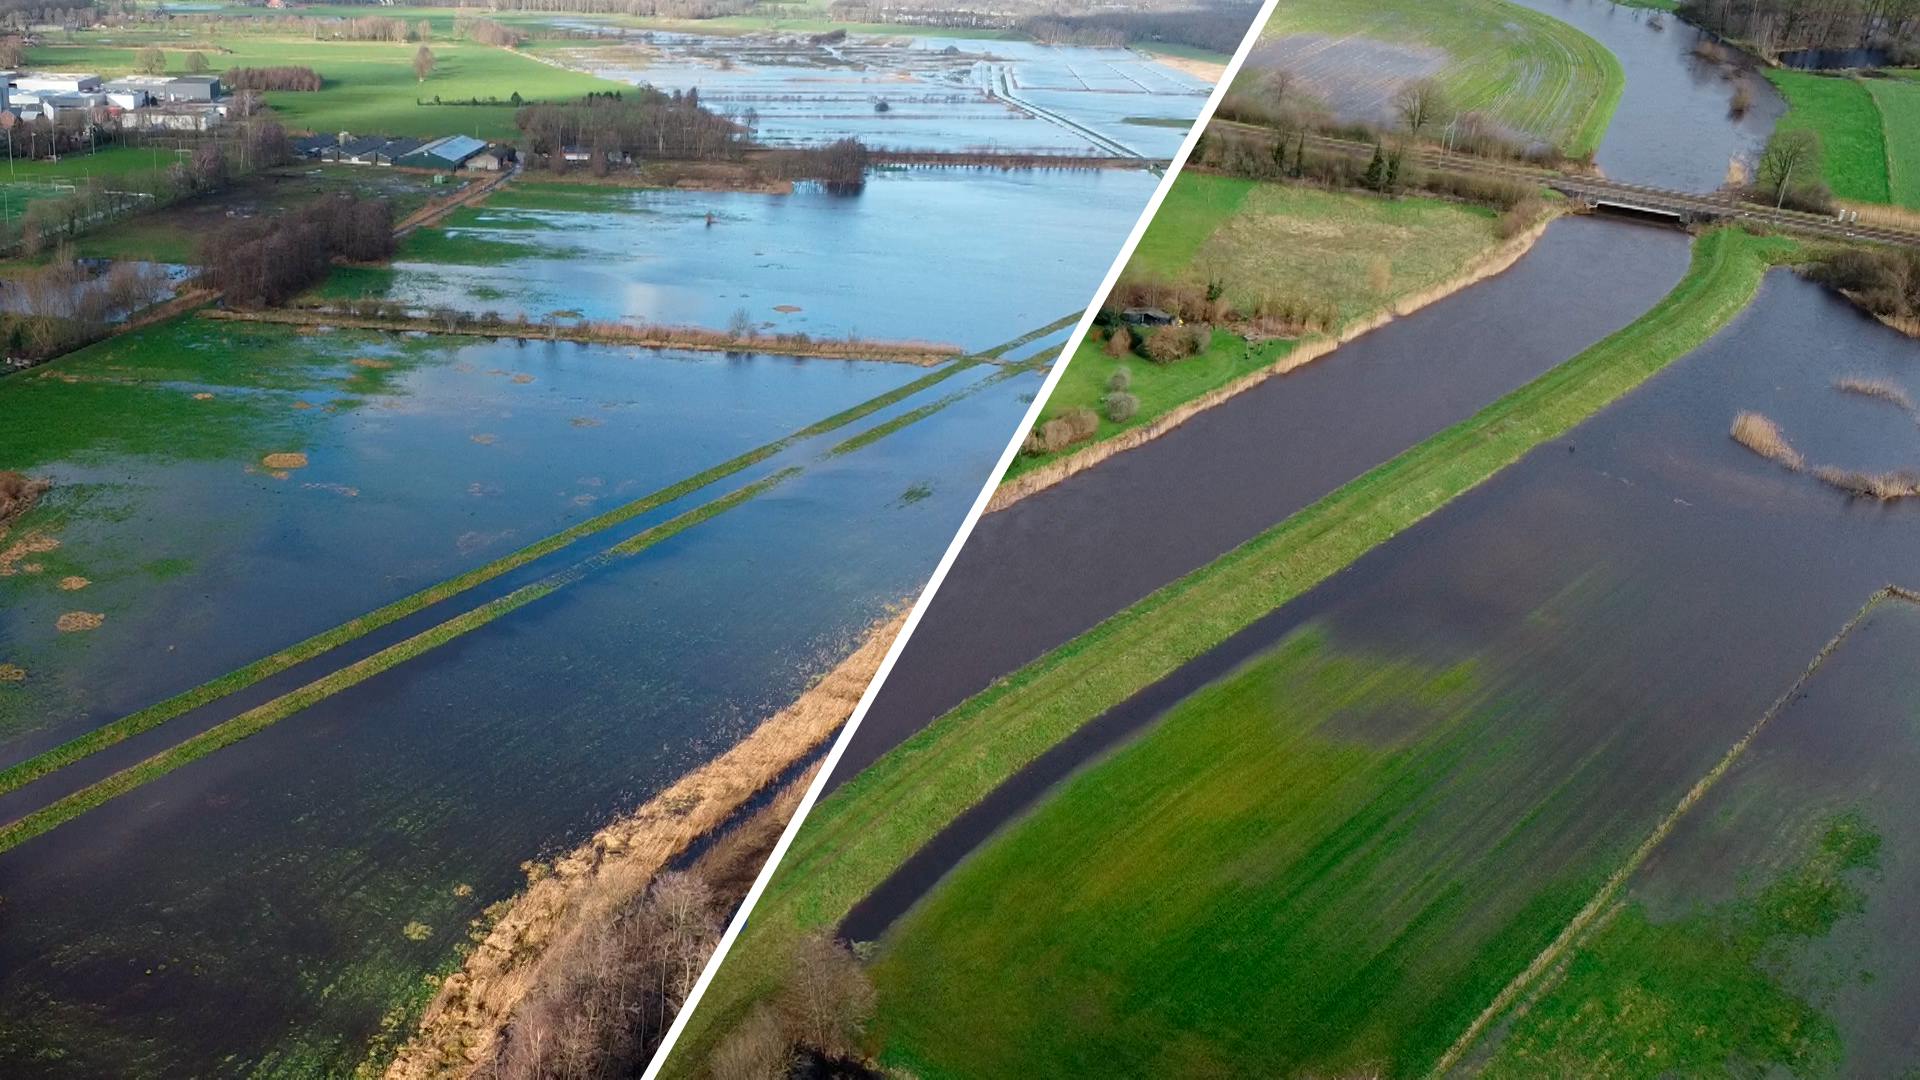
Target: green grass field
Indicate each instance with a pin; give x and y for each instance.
(1533, 73)
(370, 87)
(1899, 102)
(867, 828)
(1852, 139)
(1333, 250)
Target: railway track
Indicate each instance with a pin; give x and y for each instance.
(1598, 191)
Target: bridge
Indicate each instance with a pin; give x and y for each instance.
(1600, 193)
(992, 159)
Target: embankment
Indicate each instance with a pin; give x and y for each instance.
(920, 353)
(1494, 261)
(862, 833)
(593, 883)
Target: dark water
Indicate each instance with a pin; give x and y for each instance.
(1039, 573)
(1834, 59)
(248, 912)
(1660, 584)
(1674, 127)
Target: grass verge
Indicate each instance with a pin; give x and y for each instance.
(1853, 142)
(856, 838)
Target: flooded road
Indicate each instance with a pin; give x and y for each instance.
(1039, 573)
(1675, 126)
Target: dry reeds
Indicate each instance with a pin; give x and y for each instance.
(1881, 389)
(18, 493)
(1886, 486)
(1763, 437)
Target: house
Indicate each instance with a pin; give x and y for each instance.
(493, 159)
(174, 117)
(576, 153)
(1147, 316)
(448, 152)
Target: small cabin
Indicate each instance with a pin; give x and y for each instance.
(1146, 316)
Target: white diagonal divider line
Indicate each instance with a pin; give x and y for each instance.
(959, 541)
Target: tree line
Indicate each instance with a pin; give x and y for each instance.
(266, 260)
(635, 124)
(63, 304)
(1774, 26)
(272, 78)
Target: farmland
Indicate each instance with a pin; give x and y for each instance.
(370, 86)
(1351, 256)
(872, 824)
(1537, 76)
(1852, 134)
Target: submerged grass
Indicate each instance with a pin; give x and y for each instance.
(152, 716)
(857, 837)
(262, 716)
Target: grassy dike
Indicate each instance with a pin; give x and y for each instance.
(117, 731)
(854, 839)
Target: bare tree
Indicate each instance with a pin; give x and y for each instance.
(151, 60)
(827, 999)
(197, 63)
(423, 63)
(1789, 153)
(756, 1050)
(1418, 104)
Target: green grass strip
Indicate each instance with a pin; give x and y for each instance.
(854, 839)
(118, 731)
(260, 717)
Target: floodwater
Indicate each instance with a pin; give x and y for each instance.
(1046, 569)
(1025, 247)
(1834, 59)
(937, 92)
(461, 451)
(1635, 594)
(1675, 126)
(250, 912)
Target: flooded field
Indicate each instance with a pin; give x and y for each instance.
(259, 911)
(419, 458)
(938, 93)
(1676, 126)
(1428, 765)
(1041, 574)
(881, 264)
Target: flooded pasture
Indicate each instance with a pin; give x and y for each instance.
(252, 915)
(915, 93)
(1623, 605)
(420, 458)
(881, 264)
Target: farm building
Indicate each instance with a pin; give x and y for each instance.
(1147, 316)
(449, 152)
(493, 159)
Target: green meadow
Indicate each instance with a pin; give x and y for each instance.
(1351, 255)
(1869, 132)
(370, 86)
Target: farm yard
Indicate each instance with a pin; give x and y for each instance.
(1538, 77)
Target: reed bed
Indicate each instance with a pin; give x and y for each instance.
(1764, 437)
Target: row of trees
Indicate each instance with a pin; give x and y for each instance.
(272, 78)
(635, 124)
(487, 32)
(1775, 26)
(1218, 28)
(263, 261)
(63, 304)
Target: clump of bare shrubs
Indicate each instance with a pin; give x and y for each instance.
(820, 1014)
(1119, 342)
(287, 78)
(1764, 437)
(1171, 344)
(1885, 281)
(1072, 426)
(1120, 404)
(18, 494)
(617, 984)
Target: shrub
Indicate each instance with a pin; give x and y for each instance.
(1121, 406)
(1170, 344)
(1120, 342)
(1072, 426)
(1121, 380)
